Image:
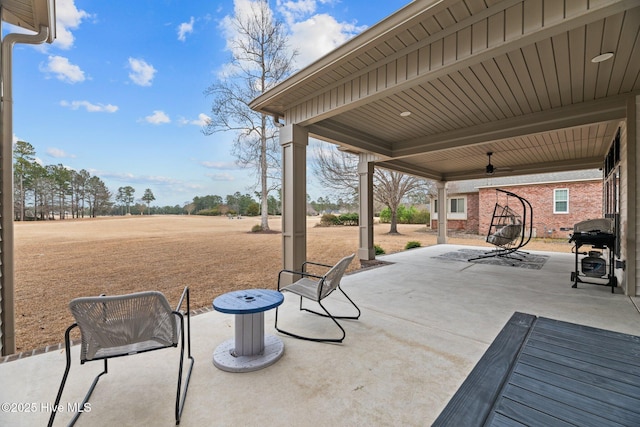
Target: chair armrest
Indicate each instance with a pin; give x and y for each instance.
(181, 315)
(300, 273)
(304, 264)
(185, 295)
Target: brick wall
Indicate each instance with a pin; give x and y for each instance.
(585, 202)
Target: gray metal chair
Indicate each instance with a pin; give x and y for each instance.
(317, 288)
(122, 325)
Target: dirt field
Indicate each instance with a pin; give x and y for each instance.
(57, 261)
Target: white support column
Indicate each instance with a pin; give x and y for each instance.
(294, 140)
(442, 211)
(632, 242)
(366, 250)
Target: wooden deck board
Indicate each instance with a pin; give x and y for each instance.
(578, 347)
(527, 415)
(600, 376)
(572, 356)
(558, 409)
(500, 420)
(586, 398)
(487, 377)
(561, 374)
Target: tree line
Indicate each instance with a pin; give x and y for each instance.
(44, 192)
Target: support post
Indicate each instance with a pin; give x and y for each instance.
(294, 140)
(442, 212)
(366, 250)
(632, 197)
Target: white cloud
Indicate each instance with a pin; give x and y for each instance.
(296, 10)
(141, 73)
(202, 120)
(319, 35)
(59, 154)
(227, 26)
(184, 29)
(220, 165)
(63, 69)
(138, 179)
(92, 108)
(311, 33)
(221, 177)
(158, 117)
(68, 18)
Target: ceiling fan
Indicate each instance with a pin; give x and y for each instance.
(491, 169)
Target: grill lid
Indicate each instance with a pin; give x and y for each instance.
(602, 225)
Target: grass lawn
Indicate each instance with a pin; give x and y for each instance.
(56, 261)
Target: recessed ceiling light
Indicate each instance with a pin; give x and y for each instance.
(602, 57)
(405, 114)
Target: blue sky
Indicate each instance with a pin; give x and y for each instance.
(120, 92)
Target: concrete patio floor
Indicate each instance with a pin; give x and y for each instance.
(425, 323)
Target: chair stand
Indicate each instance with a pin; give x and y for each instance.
(325, 314)
(180, 401)
(67, 344)
(180, 397)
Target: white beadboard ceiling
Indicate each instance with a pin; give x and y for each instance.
(30, 14)
(513, 77)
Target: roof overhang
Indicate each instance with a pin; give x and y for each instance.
(30, 15)
(515, 78)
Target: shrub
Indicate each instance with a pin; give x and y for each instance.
(422, 217)
(379, 250)
(209, 212)
(348, 219)
(256, 228)
(405, 215)
(412, 244)
(328, 220)
(253, 209)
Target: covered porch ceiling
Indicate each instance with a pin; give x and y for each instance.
(30, 15)
(512, 77)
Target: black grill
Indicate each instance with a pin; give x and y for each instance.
(599, 234)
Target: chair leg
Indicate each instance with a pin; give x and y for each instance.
(302, 337)
(325, 314)
(331, 316)
(180, 399)
(67, 342)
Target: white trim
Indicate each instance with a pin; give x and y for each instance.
(555, 192)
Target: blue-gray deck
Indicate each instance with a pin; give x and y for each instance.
(544, 372)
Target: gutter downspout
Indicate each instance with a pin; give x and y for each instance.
(7, 310)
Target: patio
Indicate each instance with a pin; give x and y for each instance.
(425, 323)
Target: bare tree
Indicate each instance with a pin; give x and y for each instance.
(391, 187)
(260, 59)
(338, 170)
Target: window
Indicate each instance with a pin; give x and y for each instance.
(456, 205)
(456, 208)
(561, 200)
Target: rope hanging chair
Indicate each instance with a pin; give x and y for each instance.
(510, 228)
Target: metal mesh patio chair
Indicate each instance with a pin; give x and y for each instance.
(316, 288)
(114, 326)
